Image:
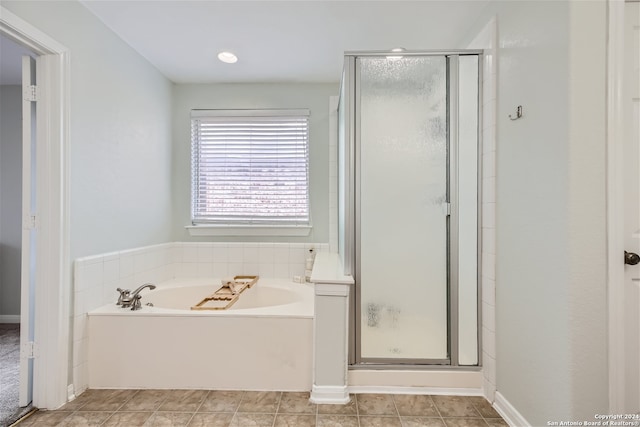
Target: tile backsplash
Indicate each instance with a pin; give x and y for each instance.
(97, 277)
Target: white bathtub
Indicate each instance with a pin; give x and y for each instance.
(170, 346)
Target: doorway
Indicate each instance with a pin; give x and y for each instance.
(15, 396)
(50, 354)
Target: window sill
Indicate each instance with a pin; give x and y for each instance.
(248, 230)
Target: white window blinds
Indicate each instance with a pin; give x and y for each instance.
(250, 167)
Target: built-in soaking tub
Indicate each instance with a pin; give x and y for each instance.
(262, 342)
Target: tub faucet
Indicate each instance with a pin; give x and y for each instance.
(124, 293)
(133, 299)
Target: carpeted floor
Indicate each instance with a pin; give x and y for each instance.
(9, 372)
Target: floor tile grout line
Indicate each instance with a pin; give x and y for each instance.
(437, 410)
(196, 410)
(238, 407)
(154, 412)
(482, 416)
(105, 420)
(206, 395)
(117, 410)
(277, 410)
(191, 418)
(393, 399)
(121, 406)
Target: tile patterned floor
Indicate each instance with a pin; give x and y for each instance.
(203, 408)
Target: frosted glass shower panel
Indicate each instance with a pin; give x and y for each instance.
(403, 172)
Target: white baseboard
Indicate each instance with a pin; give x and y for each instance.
(9, 318)
(335, 395)
(442, 379)
(416, 390)
(71, 394)
(508, 412)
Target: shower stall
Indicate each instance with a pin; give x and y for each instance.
(408, 216)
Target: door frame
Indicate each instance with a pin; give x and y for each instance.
(615, 203)
(29, 120)
(52, 314)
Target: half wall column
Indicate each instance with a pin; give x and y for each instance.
(330, 328)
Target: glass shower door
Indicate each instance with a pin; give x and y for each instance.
(401, 203)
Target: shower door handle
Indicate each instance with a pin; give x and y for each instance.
(631, 258)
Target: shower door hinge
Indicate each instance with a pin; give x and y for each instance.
(446, 209)
(31, 93)
(30, 222)
(30, 350)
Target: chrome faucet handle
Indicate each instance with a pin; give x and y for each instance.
(136, 304)
(124, 293)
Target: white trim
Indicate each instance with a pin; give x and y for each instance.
(428, 379)
(255, 230)
(417, 390)
(332, 289)
(335, 395)
(487, 40)
(333, 173)
(71, 394)
(9, 318)
(328, 269)
(509, 412)
(330, 344)
(195, 113)
(52, 320)
(25, 379)
(615, 204)
(27, 35)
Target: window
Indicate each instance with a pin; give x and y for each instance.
(250, 168)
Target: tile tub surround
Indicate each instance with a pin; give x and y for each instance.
(97, 277)
(240, 408)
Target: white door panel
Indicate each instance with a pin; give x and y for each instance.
(28, 230)
(631, 107)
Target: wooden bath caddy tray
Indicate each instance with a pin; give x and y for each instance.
(227, 295)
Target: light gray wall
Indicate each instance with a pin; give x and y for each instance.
(120, 121)
(10, 198)
(315, 97)
(551, 315)
(588, 314)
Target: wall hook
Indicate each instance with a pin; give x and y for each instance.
(518, 113)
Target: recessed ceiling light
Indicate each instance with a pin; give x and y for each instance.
(227, 57)
(396, 57)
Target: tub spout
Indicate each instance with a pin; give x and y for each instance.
(133, 299)
(146, 285)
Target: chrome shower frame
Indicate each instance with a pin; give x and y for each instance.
(351, 255)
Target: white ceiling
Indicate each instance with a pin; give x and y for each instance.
(278, 41)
